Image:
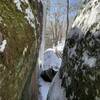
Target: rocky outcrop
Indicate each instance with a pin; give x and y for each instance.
(48, 75)
(80, 70)
(20, 35)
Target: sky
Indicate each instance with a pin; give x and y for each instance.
(72, 2)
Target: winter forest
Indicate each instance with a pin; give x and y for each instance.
(49, 49)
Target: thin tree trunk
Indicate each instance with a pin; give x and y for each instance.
(67, 17)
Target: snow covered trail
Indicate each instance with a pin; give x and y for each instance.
(56, 91)
(44, 88)
(49, 59)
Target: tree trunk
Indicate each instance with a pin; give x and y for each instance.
(67, 17)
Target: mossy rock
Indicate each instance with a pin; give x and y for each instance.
(80, 72)
(18, 60)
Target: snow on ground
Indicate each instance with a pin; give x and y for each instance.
(55, 86)
(3, 45)
(51, 60)
(60, 46)
(44, 87)
(57, 90)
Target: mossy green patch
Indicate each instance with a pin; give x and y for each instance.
(19, 34)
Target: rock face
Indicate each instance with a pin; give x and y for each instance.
(20, 35)
(48, 75)
(80, 70)
(51, 65)
(51, 59)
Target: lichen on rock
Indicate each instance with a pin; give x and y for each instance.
(81, 57)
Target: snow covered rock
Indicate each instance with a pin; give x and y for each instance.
(51, 64)
(80, 69)
(51, 60)
(60, 46)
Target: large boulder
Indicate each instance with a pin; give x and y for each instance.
(51, 65)
(20, 35)
(51, 60)
(48, 75)
(80, 70)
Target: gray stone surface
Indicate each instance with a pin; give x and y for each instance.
(80, 70)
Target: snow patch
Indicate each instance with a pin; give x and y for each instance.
(89, 16)
(18, 4)
(3, 45)
(44, 88)
(28, 11)
(51, 60)
(49, 50)
(60, 46)
(90, 61)
(56, 91)
(29, 16)
(92, 17)
(93, 2)
(25, 50)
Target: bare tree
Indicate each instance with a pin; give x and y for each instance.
(57, 22)
(67, 17)
(55, 27)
